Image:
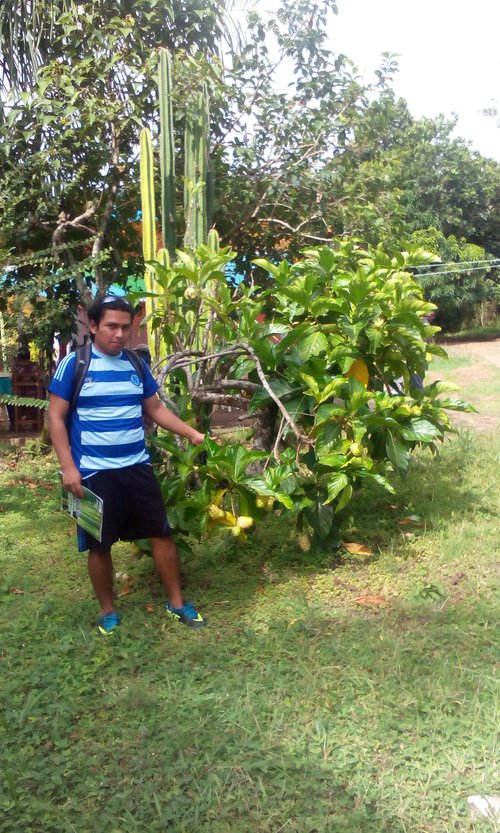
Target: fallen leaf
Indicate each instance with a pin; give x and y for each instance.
(150, 608)
(126, 590)
(457, 577)
(358, 549)
(374, 600)
(412, 520)
(15, 590)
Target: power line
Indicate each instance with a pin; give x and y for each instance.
(463, 264)
(451, 272)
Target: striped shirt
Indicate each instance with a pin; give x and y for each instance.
(107, 430)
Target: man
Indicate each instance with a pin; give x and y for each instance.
(104, 449)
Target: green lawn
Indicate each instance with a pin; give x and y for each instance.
(350, 693)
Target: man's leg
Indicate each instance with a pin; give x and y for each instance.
(166, 558)
(101, 576)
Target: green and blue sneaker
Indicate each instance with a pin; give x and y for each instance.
(187, 614)
(107, 622)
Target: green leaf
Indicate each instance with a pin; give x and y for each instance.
(326, 412)
(398, 453)
(327, 437)
(377, 478)
(457, 405)
(311, 382)
(436, 350)
(321, 518)
(344, 498)
(441, 386)
(266, 265)
(335, 485)
(420, 430)
(311, 345)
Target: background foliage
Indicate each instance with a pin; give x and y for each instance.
(321, 158)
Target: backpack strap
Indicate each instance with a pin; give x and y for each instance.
(136, 362)
(82, 364)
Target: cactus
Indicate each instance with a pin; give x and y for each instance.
(167, 153)
(213, 241)
(148, 226)
(195, 172)
(147, 197)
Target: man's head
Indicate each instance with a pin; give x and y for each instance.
(110, 322)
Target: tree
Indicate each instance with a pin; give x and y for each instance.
(315, 356)
(69, 137)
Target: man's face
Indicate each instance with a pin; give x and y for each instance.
(113, 331)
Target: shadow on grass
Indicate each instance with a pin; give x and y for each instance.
(320, 724)
(290, 712)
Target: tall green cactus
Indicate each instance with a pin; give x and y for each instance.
(167, 152)
(195, 171)
(148, 227)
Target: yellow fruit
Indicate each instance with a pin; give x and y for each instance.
(244, 522)
(215, 513)
(190, 293)
(415, 410)
(304, 542)
(270, 503)
(236, 531)
(358, 370)
(261, 502)
(356, 449)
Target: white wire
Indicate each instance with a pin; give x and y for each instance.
(452, 272)
(462, 263)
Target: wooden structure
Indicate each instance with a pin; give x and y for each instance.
(27, 380)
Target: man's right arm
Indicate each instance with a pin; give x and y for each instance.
(58, 412)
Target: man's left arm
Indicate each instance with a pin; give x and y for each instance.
(159, 413)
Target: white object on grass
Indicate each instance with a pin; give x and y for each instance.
(484, 806)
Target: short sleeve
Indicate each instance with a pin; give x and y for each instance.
(62, 381)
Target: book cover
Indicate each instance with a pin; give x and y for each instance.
(86, 511)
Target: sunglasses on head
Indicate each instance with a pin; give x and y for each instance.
(108, 299)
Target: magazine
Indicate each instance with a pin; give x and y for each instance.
(86, 511)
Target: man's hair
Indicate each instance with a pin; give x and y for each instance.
(99, 306)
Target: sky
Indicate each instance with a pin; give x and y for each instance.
(449, 57)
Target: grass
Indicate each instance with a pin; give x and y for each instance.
(330, 693)
(487, 333)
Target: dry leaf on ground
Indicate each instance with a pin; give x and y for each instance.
(370, 600)
(357, 549)
(412, 520)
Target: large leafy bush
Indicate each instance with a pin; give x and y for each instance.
(327, 358)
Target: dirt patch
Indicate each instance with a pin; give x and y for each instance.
(483, 366)
(477, 351)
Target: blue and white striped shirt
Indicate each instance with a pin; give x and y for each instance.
(107, 430)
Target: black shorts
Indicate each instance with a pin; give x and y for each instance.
(132, 507)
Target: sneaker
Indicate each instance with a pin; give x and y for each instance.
(107, 622)
(187, 615)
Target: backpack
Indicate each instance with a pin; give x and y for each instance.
(82, 365)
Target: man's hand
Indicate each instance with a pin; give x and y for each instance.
(72, 481)
(196, 437)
